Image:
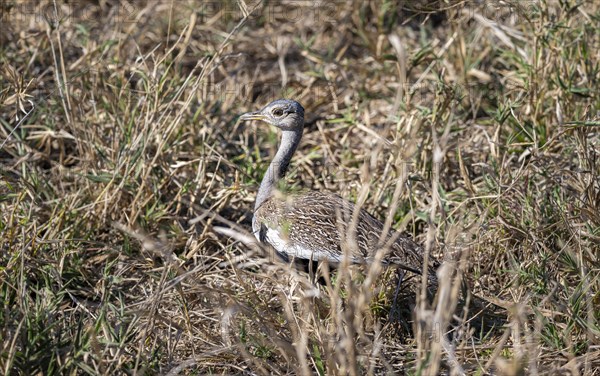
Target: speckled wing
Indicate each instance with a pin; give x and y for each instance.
(314, 226)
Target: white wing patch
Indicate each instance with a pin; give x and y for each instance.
(295, 250)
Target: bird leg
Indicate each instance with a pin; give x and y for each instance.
(395, 311)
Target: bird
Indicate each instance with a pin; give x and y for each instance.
(312, 225)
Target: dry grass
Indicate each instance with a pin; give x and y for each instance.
(473, 127)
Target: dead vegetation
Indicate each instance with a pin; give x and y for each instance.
(474, 127)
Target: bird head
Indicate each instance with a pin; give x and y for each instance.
(285, 114)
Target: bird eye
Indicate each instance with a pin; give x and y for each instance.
(278, 112)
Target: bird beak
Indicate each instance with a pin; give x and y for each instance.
(256, 115)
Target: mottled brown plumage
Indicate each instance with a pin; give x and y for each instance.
(320, 222)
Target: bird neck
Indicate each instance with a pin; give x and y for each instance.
(278, 166)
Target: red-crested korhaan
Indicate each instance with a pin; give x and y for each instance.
(311, 225)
